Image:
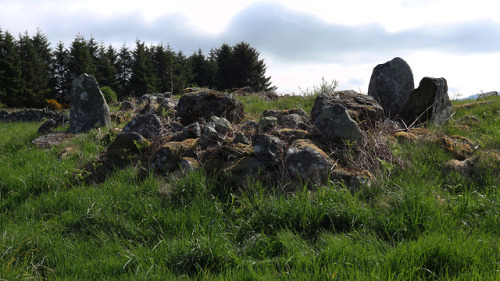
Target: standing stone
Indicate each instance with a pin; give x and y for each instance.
(336, 124)
(428, 103)
(391, 84)
(88, 106)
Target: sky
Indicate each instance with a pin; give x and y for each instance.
(301, 42)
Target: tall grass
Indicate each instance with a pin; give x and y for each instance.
(421, 223)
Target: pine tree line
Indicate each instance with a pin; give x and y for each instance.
(32, 72)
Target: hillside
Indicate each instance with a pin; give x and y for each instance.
(431, 212)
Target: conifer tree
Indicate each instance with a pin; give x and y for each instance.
(106, 66)
(80, 58)
(223, 59)
(124, 72)
(203, 69)
(35, 71)
(10, 70)
(143, 78)
(60, 73)
(248, 69)
(163, 61)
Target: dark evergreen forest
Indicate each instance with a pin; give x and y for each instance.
(32, 71)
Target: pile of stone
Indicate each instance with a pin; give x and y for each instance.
(206, 128)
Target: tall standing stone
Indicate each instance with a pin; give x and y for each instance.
(428, 103)
(88, 106)
(390, 84)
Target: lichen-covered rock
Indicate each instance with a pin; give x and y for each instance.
(88, 106)
(307, 162)
(222, 125)
(126, 145)
(390, 84)
(268, 149)
(209, 135)
(428, 103)
(167, 157)
(289, 118)
(459, 146)
(336, 124)
(245, 166)
(188, 164)
(267, 122)
(194, 107)
(362, 108)
(149, 126)
(352, 178)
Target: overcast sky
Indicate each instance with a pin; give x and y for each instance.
(300, 41)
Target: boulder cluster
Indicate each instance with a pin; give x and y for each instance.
(209, 129)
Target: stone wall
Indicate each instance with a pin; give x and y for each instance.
(30, 115)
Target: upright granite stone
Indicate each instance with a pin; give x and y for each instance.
(88, 106)
(390, 84)
(428, 103)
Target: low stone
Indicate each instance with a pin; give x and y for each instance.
(188, 164)
(194, 107)
(390, 84)
(88, 106)
(47, 127)
(148, 109)
(291, 135)
(267, 122)
(126, 145)
(405, 136)
(469, 120)
(463, 167)
(362, 108)
(241, 138)
(487, 95)
(245, 166)
(336, 124)
(167, 157)
(222, 125)
(209, 135)
(460, 147)
(167, 107)
(268, 149)
(306, 162)
(192, 131)
(232, 151)
(149, 126)
(126, 105)
(51, 139)
(428, 103)
(289, 118)
(352, 178)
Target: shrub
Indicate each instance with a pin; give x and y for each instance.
(109, 94)
(54, 105)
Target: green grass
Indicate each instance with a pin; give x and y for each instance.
(420, 223)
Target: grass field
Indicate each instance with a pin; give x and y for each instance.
(419, 222)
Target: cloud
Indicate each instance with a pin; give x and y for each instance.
(294, 36)
(285, 34)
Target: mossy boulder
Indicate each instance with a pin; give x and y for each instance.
(306, 162)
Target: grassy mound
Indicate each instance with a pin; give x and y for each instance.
(422, 220)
